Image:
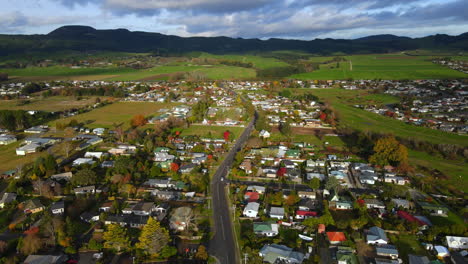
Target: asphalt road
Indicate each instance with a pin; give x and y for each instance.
(223, 246)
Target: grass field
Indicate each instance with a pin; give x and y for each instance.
(342, 101)
(50, 104)
(407, 244)
(216, 131)
(380, 66)
(65, 71)
(116, 113)
(456, 170)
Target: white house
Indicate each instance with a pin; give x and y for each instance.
(454, 242)
(251, 210)
(58, 208)
(96, 155)
(26, 149)
(81, 161)
(265, 229)
(376, 235)
(277, 212)
(7, 139)
(264, 134)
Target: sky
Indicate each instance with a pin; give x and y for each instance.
(292, 19)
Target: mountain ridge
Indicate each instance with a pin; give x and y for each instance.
(86, 38)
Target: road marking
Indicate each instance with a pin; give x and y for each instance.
(222, 227)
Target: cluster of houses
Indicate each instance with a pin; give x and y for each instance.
(457, 65)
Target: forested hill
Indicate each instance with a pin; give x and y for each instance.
(83, 38)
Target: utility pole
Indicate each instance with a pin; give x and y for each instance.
(245, 258)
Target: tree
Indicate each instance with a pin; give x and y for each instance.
(285, 128)
(388, 150)
(116, 237)
(314, 183)
(292, 199)
(84, 177)
(331, 183)
(153, 238)
(138, 120)
(201, 253)
(226, 135)
(30, 244)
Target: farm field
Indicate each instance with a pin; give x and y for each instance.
(380, 66)
(342, 101)
(9, 160)
(257, 61)
(116, 113)
(50, 104)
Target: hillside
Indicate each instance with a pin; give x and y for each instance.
(83, 38)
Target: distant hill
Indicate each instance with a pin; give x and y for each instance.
(84, 38)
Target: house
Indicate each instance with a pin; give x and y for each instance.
(276, 212)
(82, 161)
(89, 217)
(45, 259)
(27, 149)
(275, 253)
(266, 229)
(251, 210)
(96, 155)
(270, 172)
(7, 198)
(256, 188)
(411, 218)
(246, 165)
(311, 175)
(405, 204)
(413, 259)
(66, 176)
(458, 243)
(160, 183)
(346, 255)
(33, 206)
(386, 261)
(166, 195)
(442, 252)
(58, 208)
(389, 251)
(251, 196)
(307, 204)
(107, 164)
(85, 189)
(179, 218)
(305, 194)
(292, 153)
(301, 215)
(163, 156)
(36, 130)
(336, 237)
(264, 134)
(187, 168)
(376, 235)
(341, 205)
(99, 131)
(8, 174)
(7, 139)
(434, 209)
(140, 208)
(374, 204)
(105, 207)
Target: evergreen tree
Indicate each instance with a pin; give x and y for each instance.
(153, 238)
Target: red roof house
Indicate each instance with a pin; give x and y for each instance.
(252, 196)
(336, 237)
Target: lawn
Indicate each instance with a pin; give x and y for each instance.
(50, 104)
(116, 113)
(216, 131)
(9, 160)
(380, 66)
(407, 244)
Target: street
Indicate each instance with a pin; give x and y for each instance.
(223, 245)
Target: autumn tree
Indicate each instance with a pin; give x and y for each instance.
(292, 199)
(153, 238)
(388, 150)
(202, 254)
(138, 120)
(30, 244)
(84, 177)
(116, 237)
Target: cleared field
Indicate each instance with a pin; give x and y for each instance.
(50, 104)
(380, 66)
(116, 113)
(342, 101)
(215, 131)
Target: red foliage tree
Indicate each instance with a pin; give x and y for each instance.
(281, 172)
(138, 120)
(174, 167)
(226, 135)
(323, 116)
